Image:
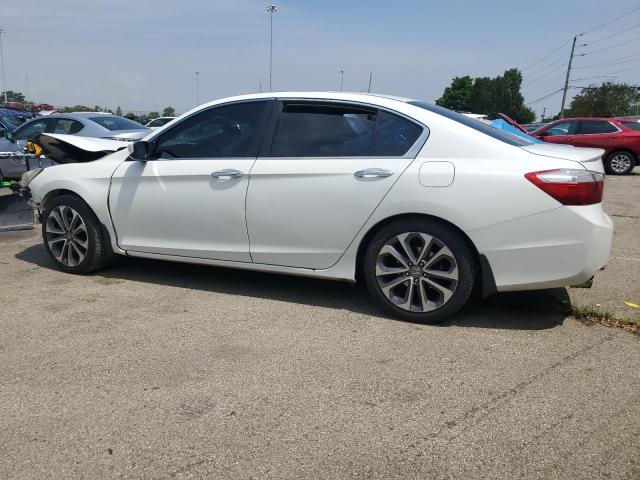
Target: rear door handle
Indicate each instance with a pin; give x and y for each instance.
(373, 173)
(226, 174)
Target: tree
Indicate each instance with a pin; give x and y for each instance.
(14, 97)
(169, 112)
(456, 96)
(607, 100)
(119, 111)
(152, 115)
(489, 96)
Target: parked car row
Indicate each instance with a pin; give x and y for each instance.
(84, 124)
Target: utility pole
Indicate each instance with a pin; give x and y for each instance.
(566, 80)
(544, 111)
(28, 94)
(271, 9)
(370, 79)
(4, 80)
(341, 79)
(197, 90)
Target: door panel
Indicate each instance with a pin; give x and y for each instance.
(305, 212)
(176, 207)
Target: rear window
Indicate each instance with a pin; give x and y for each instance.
(632, 125)
(116, 123)
(501, 135)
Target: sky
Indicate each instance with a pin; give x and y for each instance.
(142, 55)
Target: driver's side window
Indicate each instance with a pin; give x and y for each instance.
(563, 128)
(226, 131)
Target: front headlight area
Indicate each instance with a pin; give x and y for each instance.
(28, 176)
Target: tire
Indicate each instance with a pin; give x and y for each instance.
(449, 262)
(73, 236)
(619, 163)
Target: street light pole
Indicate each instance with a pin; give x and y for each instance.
(197, 90)
(341, 79)
(271, 9)
(4, 80)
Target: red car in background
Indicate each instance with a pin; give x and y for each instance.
(620, 137)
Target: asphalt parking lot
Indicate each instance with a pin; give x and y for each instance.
(160, 370)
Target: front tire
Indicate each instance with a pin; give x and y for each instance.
(72, 235)
(619, 163)
(419, 270)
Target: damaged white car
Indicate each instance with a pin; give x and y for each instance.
(422, 204)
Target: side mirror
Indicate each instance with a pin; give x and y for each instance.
(139, 151)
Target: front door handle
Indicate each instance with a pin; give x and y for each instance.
(226, 174)
(373, 173)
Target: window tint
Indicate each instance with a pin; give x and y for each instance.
(394, 135)
(496, 133)
(632, 125)
(113, 123)
(67, 126)
(596, 126)
(563, 128)
(225, 131)
(315, 130)
(31, 129)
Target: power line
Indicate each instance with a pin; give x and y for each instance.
(613, 61)
(544, 68)
(546, 56)
(609, 22)
(612, 35)
(532, 82)
(608, 48)
(608, 75)
(545, 97)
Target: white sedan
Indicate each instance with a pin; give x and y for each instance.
(422, 204)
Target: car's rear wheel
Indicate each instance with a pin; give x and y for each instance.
(419, 270)
(72, 235)
(619, 163)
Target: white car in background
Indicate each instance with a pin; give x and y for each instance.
(158, 122)
(421, 203)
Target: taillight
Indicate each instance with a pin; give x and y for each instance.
(570, 186)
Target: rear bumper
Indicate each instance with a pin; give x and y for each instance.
(558, 248)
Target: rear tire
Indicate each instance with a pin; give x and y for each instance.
(619, 163)
(419, 270)
(73, 236)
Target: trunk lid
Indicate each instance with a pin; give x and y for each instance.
(590, 158)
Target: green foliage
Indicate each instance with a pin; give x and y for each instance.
(14, 97)
(456, 97)
(119, 111)
(75, 108)
(489, 96)
(606, 100)
(169, 112)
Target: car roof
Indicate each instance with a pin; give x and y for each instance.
(83, 114)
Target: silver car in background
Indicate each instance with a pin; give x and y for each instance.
(84, 124)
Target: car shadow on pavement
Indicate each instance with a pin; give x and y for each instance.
(533, 310)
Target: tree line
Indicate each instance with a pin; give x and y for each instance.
(502, 94)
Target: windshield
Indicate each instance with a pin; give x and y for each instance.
(12, 121)
(113, 123)
(493, 132)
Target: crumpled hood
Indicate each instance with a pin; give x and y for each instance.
(74, 149)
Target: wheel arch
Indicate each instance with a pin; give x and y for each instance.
(486, 281)
(623, 150)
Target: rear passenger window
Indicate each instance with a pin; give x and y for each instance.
(317, 130)
(596, 126)
(67, 126)
(305, 130)
(394, 135)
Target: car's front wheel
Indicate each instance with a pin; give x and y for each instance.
(619, 163)
(419, 270)
(72, 235)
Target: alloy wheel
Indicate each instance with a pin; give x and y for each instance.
(67, 236)
(620, 163)
(416, 272)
